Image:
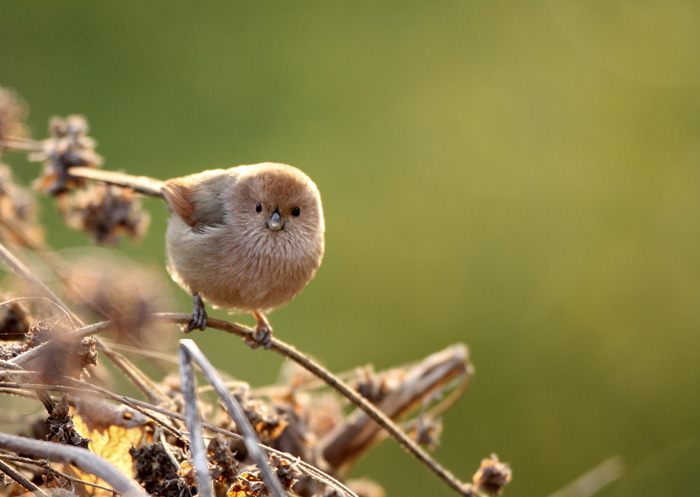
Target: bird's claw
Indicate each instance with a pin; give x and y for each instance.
(262, 334)
(199, 315)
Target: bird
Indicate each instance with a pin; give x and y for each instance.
(247, 239)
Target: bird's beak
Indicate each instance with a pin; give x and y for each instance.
(275, 222)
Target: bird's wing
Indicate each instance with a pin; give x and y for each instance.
(199, 199)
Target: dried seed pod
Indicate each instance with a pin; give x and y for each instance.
(64, 357)
(370, 385)
(223, 464)
(115, 288)
(492, 475)
(61, 427)
(106, 212)
(287, 472)
(68, 146)
(426, 431)
(14, 322)
(366, 488)
(156, 472)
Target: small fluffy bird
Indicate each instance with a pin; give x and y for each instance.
(247, 239)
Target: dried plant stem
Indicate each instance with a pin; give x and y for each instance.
(190, 352)
(379, 417)
(594, 479)
(39, 299)
(47, 466)
(21, 480)
(293, 354)
(197, 448)
(130, 371)
(80, 388)
(82, 458)
(21, 145)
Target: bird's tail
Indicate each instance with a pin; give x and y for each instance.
(141, 184)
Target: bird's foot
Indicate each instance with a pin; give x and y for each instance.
(263, 333)
(199, 315)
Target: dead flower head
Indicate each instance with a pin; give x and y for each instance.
(287, 472)
(426, 431)
(14, 321)
(18, 212)
(492, 475)
(156, 472)
(64, 357)
(370, 385)
(248, 484)
(106, 212)
(115, 288)
(61, 428)
(266, 419)
(68, 146)
(13, 112)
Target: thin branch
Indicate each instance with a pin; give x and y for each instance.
(194, 425)
(40, 299)
(130, 371)
(81, 388)
(293, 354)
(379, 417)
(190, 352)
(47, 466)
(81, 458)
(342, 445)
(22, 145)
(594, 479)
(144, 407)
(73, 335)
(21, 480)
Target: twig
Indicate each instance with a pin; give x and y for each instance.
(82, 458)
(40, 299)
(130, 371)
(190, 352)
(379, 417)
(144, 407)
(80, 388)
(194, 425)
(21, 480)
(47, 466)
(359, 432)
(73, 335)
(290, 352)
(594, 479)
(22, 145)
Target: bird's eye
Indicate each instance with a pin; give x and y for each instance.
(258, 207)
(296, 211)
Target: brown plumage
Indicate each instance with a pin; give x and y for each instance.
(247, 239)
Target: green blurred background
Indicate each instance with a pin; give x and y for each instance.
(523, 177)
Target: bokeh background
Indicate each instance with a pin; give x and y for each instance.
(523, 177)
